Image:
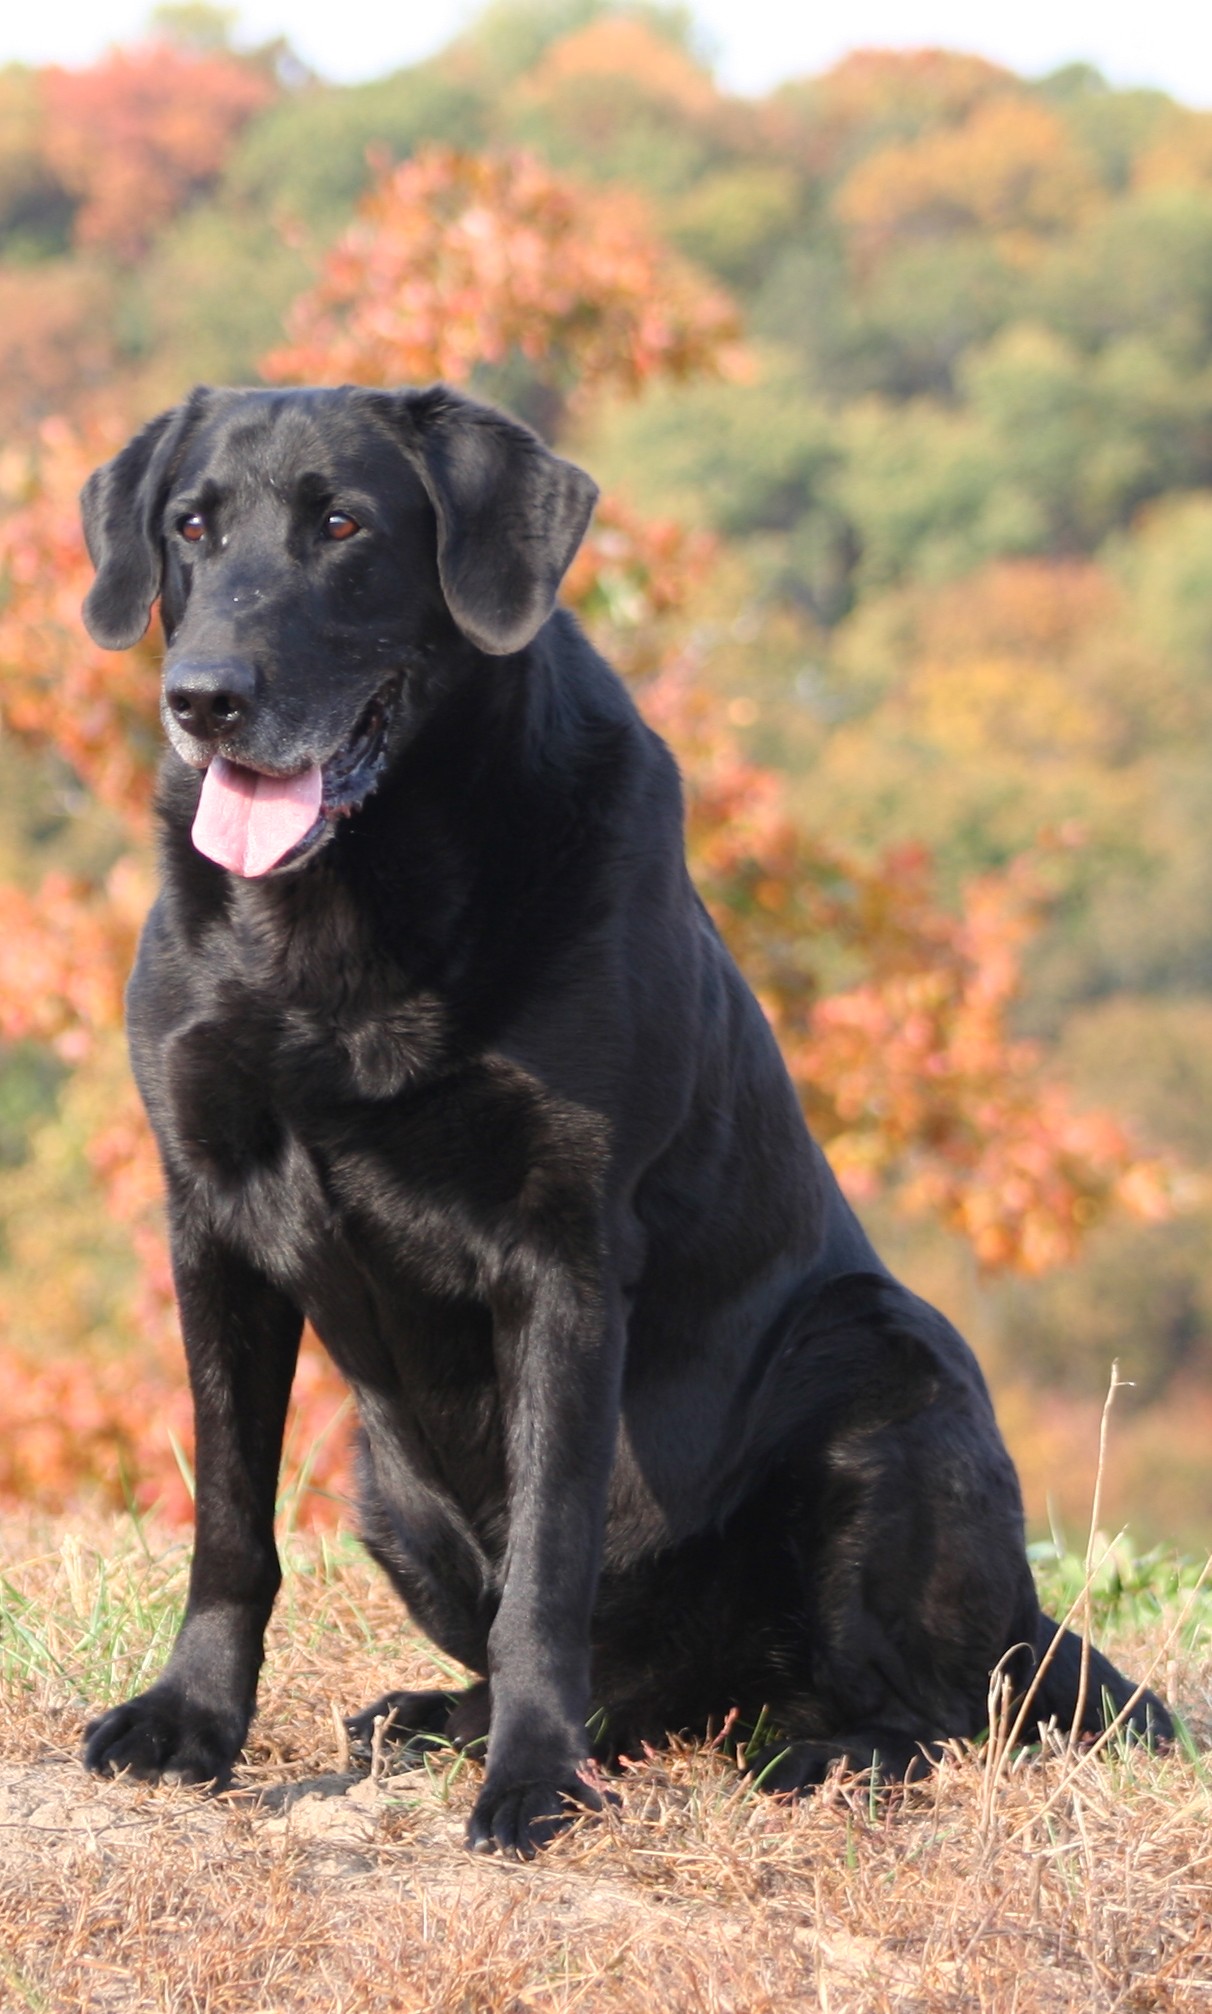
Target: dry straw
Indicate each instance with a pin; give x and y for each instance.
(1013, 1882)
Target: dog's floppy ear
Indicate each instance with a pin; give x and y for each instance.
(510, 513)
(120, 505)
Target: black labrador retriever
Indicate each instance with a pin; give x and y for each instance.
(443, 1053)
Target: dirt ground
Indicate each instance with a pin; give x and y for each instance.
(1060, 1883)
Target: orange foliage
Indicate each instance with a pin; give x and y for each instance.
(1022, 656)
(97, 709)
(1011, 170)
(142, 132)
(621, 47)
(632, 579)
(459, 260)
(892, 92)
(79, 1423)
(922, 1081)
(919, 87)
(57, 344)
(1038, 660)
(86, 1424)
(1180, 157)
(65, 951)
(1032, 607)
(911, 1077)
(1159, 1458)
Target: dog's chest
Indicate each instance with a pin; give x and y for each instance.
(237, 1078)
(360, 1154)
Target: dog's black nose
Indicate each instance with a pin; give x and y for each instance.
(210, 700)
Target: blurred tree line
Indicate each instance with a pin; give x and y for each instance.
(945, 573)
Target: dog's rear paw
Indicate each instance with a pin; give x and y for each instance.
(402, 1715)
(795, 1767)
(161, 1736)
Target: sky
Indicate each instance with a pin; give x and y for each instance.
(756, 43)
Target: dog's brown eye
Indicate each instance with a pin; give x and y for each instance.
(339, 524)
(193, 528)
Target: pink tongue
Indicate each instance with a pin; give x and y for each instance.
(248, 822)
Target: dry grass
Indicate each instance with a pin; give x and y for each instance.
(1034, 1890)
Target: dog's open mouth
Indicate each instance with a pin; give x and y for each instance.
(253, 823)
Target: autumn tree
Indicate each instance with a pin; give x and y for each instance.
(458, 264)
(876, 98)
(1011, 170)
(144, 132)
(1179, 153)
(621, 102)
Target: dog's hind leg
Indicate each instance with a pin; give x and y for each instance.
(792, 1767)
(887, 1574)
(401, 1718)
(423, 1721)
(427, 1551)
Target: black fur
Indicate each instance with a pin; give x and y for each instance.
(647, 1429)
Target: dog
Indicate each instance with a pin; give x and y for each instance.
(443, 1054)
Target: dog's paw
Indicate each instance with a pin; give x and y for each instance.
(403, 1716)
(520, 1818)
(162, 1736)
(793, 1768)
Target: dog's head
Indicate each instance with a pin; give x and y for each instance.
(318, 557)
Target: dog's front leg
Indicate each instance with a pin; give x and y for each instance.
(242, 1340)
(559, 1348)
